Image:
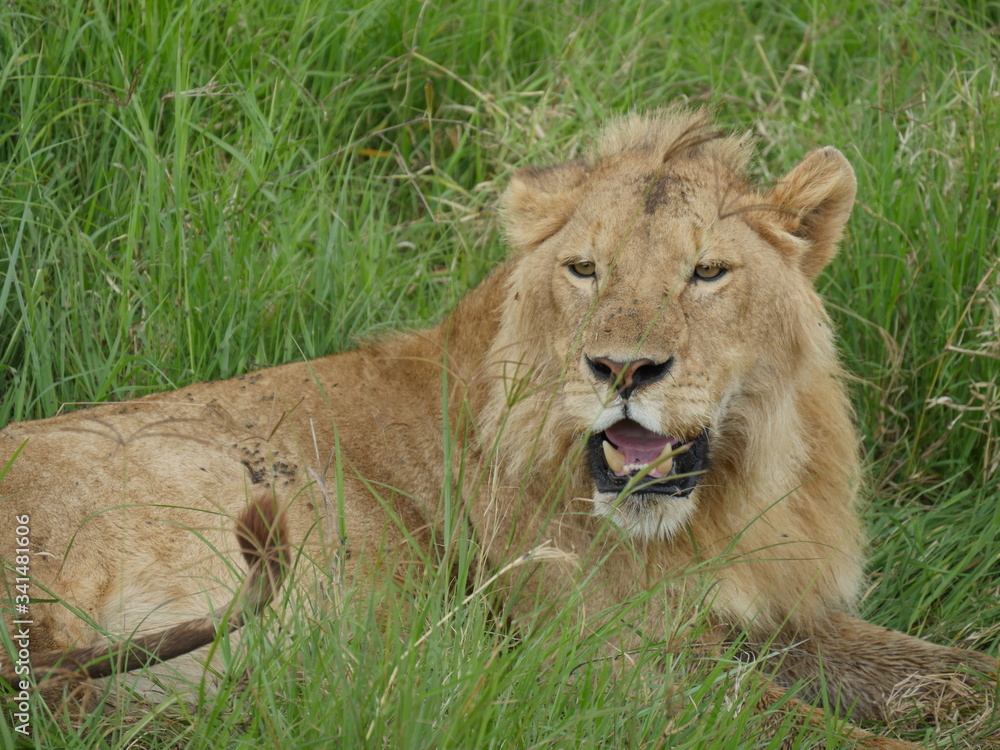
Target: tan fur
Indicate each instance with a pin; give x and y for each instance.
(132, 504)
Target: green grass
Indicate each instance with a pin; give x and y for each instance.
(193, 190)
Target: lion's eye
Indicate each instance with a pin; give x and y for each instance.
(708, 271)
(583, 268)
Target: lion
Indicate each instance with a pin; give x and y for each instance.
(648, 383)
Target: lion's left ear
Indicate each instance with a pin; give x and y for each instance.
(813, 203)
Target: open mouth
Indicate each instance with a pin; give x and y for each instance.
(626, 450)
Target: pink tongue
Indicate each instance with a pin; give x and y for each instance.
(639, 445)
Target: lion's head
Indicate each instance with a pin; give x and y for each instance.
(662, 314)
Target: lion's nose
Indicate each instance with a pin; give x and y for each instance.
(625, 377)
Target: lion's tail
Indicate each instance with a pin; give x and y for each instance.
(263, 540)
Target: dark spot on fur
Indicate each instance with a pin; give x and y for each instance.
(282, 469)
(257, 475)
(661, 190)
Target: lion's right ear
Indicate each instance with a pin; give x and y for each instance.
(539, 201)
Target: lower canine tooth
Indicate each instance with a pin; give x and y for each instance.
(614, 457)
(665, 466)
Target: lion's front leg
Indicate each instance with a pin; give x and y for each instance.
(874, 673)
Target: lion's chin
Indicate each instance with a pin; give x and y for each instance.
(647, 517)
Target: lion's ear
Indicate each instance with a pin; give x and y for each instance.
(539, 201)
(813, 204)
